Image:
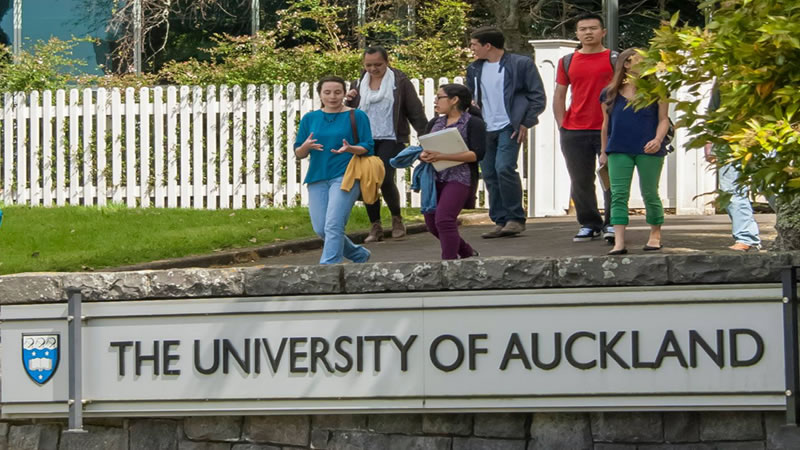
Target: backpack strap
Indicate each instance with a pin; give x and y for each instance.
(613, 59)
(565, 62)
(354, 127)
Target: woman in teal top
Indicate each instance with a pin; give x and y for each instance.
(327, 135)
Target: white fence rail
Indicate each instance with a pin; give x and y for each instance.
(232, 147)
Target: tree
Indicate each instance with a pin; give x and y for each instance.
(751, 48)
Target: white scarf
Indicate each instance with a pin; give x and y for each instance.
(370, 97)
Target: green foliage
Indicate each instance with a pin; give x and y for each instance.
(752, 49)
(49, 65)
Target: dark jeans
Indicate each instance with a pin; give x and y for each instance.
(499, 169)
(443, 223)
(386, 150)
(581, 149)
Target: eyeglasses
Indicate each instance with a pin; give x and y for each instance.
(439, 97)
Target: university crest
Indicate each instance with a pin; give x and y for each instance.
(40, 356)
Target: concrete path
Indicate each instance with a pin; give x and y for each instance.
(553, 237)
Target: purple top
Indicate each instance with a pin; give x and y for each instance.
(459, 173)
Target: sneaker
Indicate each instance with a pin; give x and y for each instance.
(512, 228)
(608, 234)
(496, 232)
(586, 234)
(375, 233)
(398, 229)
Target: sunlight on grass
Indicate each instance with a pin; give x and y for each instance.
(73, 238)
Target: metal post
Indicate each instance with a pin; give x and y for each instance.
(74, 324)
(361, 11)
(790, 343)
(612, 23)
(255, 8)
(16, 45)
(137, 36)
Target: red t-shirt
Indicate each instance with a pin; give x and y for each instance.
(588, 75)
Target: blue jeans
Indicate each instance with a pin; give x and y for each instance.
(499, 168)
(329, 207)
(745, 228)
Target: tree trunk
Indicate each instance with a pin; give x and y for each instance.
(787, 225)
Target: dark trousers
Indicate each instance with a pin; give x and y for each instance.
(499, 169)
(443, 222)
(581, 149)
(386, 150)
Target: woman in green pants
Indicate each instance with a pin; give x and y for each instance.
(632, 139)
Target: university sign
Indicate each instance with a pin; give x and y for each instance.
(690, 347)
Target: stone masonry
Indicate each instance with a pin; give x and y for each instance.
(464, 431)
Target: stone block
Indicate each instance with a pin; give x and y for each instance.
(33, 437)
(392, 277)
(3, 436)
(497, 273)
(293, 280)
(474, 443)
(779, 435)
(101, 286)
(731, 426)
(192, 445)
(624, 270)
(185, 283)
(339, 421)
(396, 423)
(31, 288)
(726, 268)
(97, 438)
(398, 442)
(254, 447)
(500, 425)
(290, 430)
(358, 440)
(627, 427)
(452, 424)
(690, 446)
(557, 431)
(153, 434)
(751, 445)
(320, 438)
(613, 447)
(681, 427)
(206, 428)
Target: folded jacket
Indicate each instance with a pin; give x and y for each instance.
(369, 171)
(423, 180)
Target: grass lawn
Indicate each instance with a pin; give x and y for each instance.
(76, 238)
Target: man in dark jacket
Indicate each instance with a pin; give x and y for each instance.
(511, 96)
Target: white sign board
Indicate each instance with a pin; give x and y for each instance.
(698, 347)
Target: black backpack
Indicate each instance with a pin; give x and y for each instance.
(567, 60)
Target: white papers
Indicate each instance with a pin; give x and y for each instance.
(448, 141)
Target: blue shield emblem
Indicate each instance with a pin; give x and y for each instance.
(40, 356)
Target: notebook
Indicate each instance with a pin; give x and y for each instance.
(448, 140)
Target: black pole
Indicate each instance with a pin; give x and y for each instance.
(790, 343)
(611, 8)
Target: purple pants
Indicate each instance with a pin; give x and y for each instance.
(443, 224)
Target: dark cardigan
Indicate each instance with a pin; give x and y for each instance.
(406, 108)
(476, 142)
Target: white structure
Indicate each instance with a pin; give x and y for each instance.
(221, 147)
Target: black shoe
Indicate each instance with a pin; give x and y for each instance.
(650, 248)
(623, 251)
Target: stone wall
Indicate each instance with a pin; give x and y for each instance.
(495, 431)
(499, 431)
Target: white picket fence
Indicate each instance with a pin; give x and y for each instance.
(189, 147)
(223, 147)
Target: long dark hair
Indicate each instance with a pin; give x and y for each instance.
(620, 75)
(464, 97)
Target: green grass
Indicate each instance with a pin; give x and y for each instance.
(85, 238)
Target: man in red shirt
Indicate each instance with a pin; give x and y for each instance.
(586, 72)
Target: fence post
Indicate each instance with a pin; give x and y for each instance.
(790, 342)
(74, 325)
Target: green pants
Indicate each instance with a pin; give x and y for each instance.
(620, 171)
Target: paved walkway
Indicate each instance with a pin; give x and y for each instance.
(553, 237)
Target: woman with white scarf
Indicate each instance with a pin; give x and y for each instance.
(390, 101)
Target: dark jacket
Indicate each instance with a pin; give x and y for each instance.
(407, 107)
(476, 141)
(523, 90)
